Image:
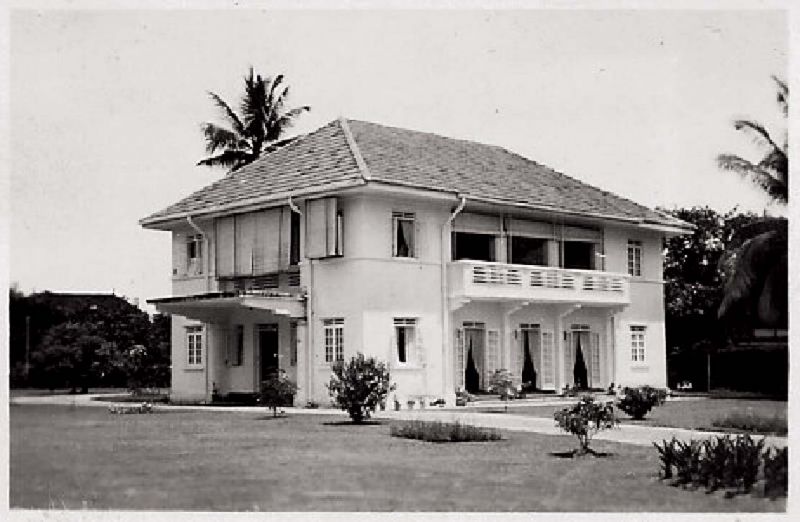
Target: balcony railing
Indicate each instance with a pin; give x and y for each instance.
(485, 280)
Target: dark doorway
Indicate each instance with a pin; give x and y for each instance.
(529, 337)
(579, 373)
(528, 251)
(268, 349)
(474, 346)
(478, 247)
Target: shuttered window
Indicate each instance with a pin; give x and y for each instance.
(635, 258)
(405, 336)
(637, 343)
(334, 340)
(403, 237)
(194, 345)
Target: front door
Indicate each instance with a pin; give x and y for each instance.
(473, 345)
(267, 335)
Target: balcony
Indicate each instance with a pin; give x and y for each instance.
(481, 280)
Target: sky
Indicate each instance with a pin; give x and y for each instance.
(106, 108)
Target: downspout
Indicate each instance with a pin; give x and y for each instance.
(309, 312)
(446, 226)
(200, 231)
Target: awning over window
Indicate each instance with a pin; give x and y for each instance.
(210, 306)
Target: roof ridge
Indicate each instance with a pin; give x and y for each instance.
(354, 149)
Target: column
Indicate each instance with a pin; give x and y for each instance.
(303, 368)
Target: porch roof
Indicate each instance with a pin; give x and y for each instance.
(201, 306)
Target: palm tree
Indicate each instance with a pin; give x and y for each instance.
(756, 264)
(260, 128)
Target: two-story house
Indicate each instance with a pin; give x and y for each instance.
(447, 259)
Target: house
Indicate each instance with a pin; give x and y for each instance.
(446, 258)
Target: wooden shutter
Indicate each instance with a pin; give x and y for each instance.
(548, 370)
(394, 355)
(569, 361)
(491, 356)
(245, 240)
(518, 355)
(266, 241)
(224, 242)
(460, 358)
(594, 365)
(315, 229)
(418, 346)
(331, 224)
(178, 254)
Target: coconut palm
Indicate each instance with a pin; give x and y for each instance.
(756, 265)
(259, 129)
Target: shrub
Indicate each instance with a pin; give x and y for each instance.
(359, 386)
(753, 422)
(637, 402)
(463, 397)
(666, 455)
(124, 409)
(687, 461)
(435, 431)
(585, 419)
(277, 390)
(776, 472)
(502, 384)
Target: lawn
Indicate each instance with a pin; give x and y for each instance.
(76, 457)
(699, 414)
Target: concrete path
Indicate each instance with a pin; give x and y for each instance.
(626, 433)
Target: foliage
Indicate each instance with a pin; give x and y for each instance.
(776, 472)
(359, 386)
(723, 461)
(502, 383)
(637, 402)
(435, 431)
(753, 422)
(585, 419)
(277, 390)
(463, 397)
(83, 340)
(257, 129)
(123, 409)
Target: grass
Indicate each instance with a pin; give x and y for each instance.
(67, 457)
(752, 422)
(698, 415)
(436, 431)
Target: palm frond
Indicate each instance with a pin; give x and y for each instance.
(763, 177)
(759, 132)
(782, 95)
(229, 113)
(221, 138)
(232, 159)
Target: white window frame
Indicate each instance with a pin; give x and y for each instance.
(194, 265)
(409, 325)
(638, 343)
(397, 218)
(333, 339)
(634, 258)
(194, 346)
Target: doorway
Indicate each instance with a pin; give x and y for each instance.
(267, 338)
(531, 357)
(474, 346)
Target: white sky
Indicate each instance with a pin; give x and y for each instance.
(106, 108)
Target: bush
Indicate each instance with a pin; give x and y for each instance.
(776, 472)
(435, 431)
(753, 422)
(585, 419)
(724, 462)
(502, 384)
(637, 402)
(277, 390)
(359, 386)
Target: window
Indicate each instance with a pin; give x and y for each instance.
(294, 239)
(334, 340)
(405, 331)
(236, 346)
(637, 343)
(528, 251)
(635, 258)
(194, 254)
(403, 234)
(194, 345)
(468, 245)
(578, 255)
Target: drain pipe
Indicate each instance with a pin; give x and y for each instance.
(309, 313)
(445, 310)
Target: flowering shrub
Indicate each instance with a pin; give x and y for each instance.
(359, 386)
(436, 431)
(637, 402)
(585, 419)
(277, 390)
(123, 409)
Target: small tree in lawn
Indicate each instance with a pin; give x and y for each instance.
(637, 402)
(585, 419)
(359, 386)
(277, 390)
(502, 384)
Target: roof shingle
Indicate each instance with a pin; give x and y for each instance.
(393, 155)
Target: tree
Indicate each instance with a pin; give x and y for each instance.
(585, 419)
(259, 128)
(756, 287)
(277, 390)
(68, 355)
